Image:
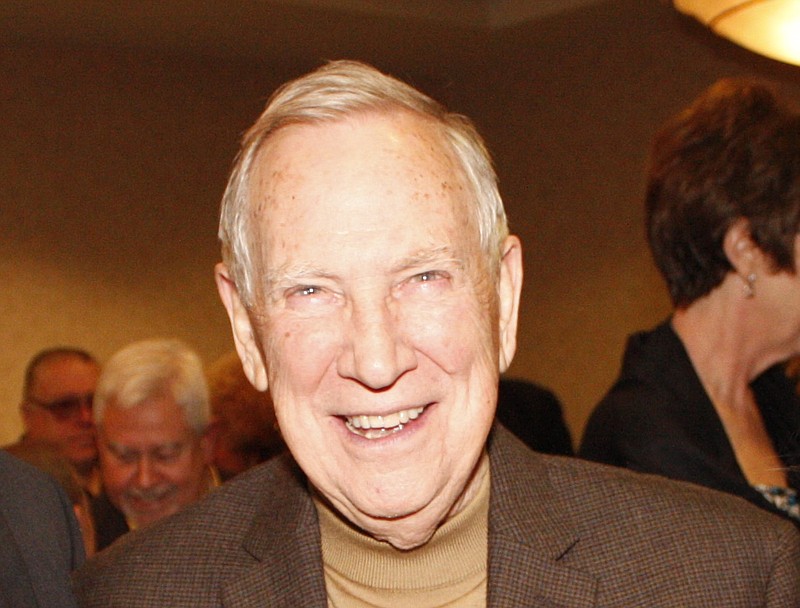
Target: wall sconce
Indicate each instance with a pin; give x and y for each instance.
(768, 27)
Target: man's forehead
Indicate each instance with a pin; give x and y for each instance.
(290, 149)
(341, 183)
(159, 409)
(63, 370)
(333, 160)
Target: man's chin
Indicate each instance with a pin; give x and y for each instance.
(139, 520)
(404, 533)
(402, 523)
(141, 517)
(84, 461)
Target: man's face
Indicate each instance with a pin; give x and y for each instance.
(379, 324)
(153, 464)
(58, 411)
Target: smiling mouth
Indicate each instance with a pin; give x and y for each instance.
(376, 427)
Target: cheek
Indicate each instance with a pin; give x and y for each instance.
(44, 424)
(186, 472)
(456, 335)
(116, 477)
(298, 355)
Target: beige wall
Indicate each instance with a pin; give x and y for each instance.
(113, 161)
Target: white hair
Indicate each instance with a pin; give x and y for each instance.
(333, 92)
(151, 369)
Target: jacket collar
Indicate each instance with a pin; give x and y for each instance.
(530, 539)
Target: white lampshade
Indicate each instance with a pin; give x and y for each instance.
(768, 27)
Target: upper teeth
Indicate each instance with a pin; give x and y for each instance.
(385, 422)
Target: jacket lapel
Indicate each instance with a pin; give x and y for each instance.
(284, 544)
(530, 537)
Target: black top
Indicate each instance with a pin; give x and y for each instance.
(534, 415)
(657, 418)
(109, 522)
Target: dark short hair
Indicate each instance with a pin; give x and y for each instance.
(51, 354)
(733, 154)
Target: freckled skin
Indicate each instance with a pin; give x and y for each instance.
(375, 297)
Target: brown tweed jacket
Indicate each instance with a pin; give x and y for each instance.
(562, 533)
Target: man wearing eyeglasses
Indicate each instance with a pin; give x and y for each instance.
(56, 408)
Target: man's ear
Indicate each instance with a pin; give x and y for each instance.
(243, 334)
(509, 290)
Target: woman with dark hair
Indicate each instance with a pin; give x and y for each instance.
(702, 397)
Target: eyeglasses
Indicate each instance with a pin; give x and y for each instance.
(66, 407)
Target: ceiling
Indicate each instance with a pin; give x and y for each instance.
(470, 13)
(267, 29)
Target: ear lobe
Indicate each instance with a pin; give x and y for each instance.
(509, 290)
(740, 249)
(243, 335)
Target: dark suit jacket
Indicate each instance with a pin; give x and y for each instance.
(657, 418)
(562, 533)
(40, 542)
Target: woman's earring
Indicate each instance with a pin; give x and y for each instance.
(750, 285)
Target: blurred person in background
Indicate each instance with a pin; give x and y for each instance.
(703, 397)
(245, 428)
(40, 541)
(153, 421)
(534, 414)
(48, 460)
(56, 408)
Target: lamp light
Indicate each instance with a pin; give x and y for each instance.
(768, 27)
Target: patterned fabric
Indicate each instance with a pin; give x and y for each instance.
(563, 533)
(785, 499)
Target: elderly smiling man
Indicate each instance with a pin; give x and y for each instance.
(371, 283)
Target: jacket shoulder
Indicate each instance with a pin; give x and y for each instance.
(185, 559)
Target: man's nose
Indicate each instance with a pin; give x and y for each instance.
(145, 473)
(85, 416)
(376, 353)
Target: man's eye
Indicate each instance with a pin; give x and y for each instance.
(310, 297)
(167, 454)
(304, 291)
(126, 457)
(429, 275)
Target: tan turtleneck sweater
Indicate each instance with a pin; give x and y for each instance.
(448, 571)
